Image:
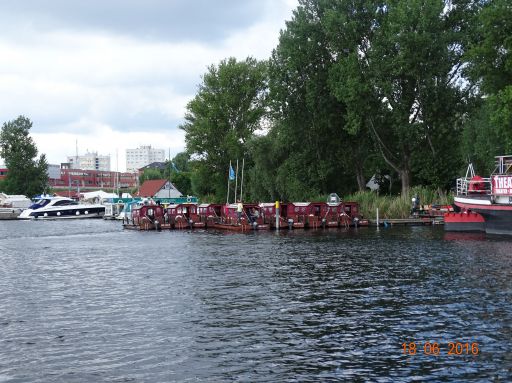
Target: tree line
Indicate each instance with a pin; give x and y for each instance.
(400, 90)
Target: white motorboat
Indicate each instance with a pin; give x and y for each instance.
(61, 207)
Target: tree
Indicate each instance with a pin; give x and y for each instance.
(490, 66)
(27, 174)
(313, 153)
(220, 120)
(398, 71)
(150, 174)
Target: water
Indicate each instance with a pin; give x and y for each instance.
(85, 301)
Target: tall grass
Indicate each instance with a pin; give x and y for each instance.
(395, 206)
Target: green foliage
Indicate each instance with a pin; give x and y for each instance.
(27, 173)
(396, 71)
(308, 131)
(221, 119)
(150, 174)
(183, 182)
(392, 206)
(489, 64)
(357, 88)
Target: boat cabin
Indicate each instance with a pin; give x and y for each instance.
(268, 214)
(184, 215)
(252, 216)
(210, 212)
(333, 215)
(298, 214)
(148, 217)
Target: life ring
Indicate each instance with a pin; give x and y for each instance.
(119, 201)
(189, 199)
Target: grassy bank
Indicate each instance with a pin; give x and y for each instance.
(394, 206)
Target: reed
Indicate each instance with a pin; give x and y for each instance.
(395, 206)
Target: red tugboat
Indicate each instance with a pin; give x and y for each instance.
(490, 198)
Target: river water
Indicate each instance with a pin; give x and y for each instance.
(85, 301)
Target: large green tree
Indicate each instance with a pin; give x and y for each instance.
(313, 153)
(489, 62)
(398, 72)
(27, 173)
(221, 119)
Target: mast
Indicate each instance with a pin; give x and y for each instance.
(242, 183)
(229, 176)
(170, 169)
(236, 179)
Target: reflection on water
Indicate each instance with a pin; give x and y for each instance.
(84, 301)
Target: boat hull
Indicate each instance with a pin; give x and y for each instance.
(74, 213)
(497, 217)
(464, 221)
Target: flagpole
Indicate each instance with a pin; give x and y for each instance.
(229, 175)
(236, 179)
(242, 183)
(170, 170)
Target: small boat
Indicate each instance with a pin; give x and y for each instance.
(490, 198)
(11, 206)
(184, 216)
(48, 207)
(146, 217)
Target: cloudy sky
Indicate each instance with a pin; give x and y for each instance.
(116, 74)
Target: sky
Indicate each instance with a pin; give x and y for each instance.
(111, 75)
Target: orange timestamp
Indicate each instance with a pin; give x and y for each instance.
(436, 348)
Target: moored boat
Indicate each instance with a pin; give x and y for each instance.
(11, 206)
(491, 198)
(48, 207)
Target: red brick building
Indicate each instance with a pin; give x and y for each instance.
(94, 179)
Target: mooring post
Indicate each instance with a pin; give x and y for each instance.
(378, 217)
(277, 215)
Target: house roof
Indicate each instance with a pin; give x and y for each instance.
(150, 187)
(155, 165)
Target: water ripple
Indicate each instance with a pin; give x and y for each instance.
(84, 301)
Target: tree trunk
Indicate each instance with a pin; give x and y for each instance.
(361, 181)
(405, 176)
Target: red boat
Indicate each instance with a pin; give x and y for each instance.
(184, 216)
(334, 215)
(464, 221)
(210, 213)
(268, 213)
(252, 218)
(297, 214)
(490, 197)
(146, 217)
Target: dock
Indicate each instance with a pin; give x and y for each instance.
(420, 221)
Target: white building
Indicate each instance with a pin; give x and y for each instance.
(90, 161)
(144, 155)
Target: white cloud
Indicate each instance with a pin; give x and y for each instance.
(113, 91)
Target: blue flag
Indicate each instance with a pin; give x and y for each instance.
(231, 173)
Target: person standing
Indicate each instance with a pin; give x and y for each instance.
(239, 211)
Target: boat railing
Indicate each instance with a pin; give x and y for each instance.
(464, 186)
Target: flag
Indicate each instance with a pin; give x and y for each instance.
(231, 173)
(174, 167)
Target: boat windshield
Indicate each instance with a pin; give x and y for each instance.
(39, 204)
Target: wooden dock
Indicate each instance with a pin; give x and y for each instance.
(420, 221)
